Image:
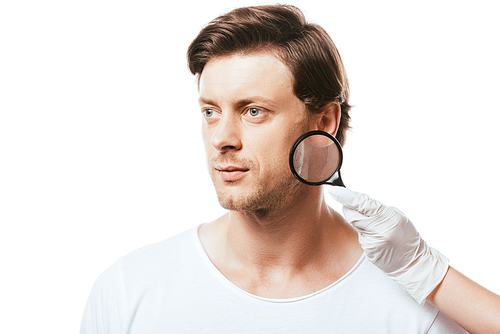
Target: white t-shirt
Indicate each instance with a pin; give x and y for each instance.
(173, 287)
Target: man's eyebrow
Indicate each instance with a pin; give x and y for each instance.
(256, 99)
(243, 102)
(206, 101)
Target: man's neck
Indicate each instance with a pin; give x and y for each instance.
(289, 239)
(308, 243)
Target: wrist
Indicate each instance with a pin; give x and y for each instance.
(422, 276)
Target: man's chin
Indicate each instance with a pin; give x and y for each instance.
(263, 203)
(234, 202)
(239, 196)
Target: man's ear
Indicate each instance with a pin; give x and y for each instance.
(329, 118)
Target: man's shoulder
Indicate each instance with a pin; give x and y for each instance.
(376, 296)
(178, 243)
(158, 258)
(375, 291)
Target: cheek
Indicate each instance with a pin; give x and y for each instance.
(273, 152)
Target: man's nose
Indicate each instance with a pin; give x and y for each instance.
(227, 135)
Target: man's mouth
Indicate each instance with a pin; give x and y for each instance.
(231, 173)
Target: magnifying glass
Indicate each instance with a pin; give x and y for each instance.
(316, 158)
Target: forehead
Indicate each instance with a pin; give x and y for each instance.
(260, 74)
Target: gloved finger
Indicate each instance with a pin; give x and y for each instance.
(362, 203)
(363, 224)
(352, 215)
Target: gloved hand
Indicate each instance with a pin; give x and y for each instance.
(392, 243)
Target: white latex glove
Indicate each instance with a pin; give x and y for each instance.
(392, 243)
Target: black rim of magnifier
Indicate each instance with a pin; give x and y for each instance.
(297, 143)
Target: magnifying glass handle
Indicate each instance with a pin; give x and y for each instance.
(336, 180)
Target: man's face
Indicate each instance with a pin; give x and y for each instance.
(251, 119)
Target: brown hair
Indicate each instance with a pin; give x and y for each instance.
(306, 49)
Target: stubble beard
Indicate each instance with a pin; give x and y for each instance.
(264, 199)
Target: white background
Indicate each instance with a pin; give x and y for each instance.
(101, 153)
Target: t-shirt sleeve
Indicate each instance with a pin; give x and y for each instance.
(104, 309)
(444, 325)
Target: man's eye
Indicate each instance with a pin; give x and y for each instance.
(254, 112)
(208, 113)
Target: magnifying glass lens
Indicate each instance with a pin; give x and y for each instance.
(315, 158)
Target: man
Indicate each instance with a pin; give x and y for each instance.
(280, 260)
